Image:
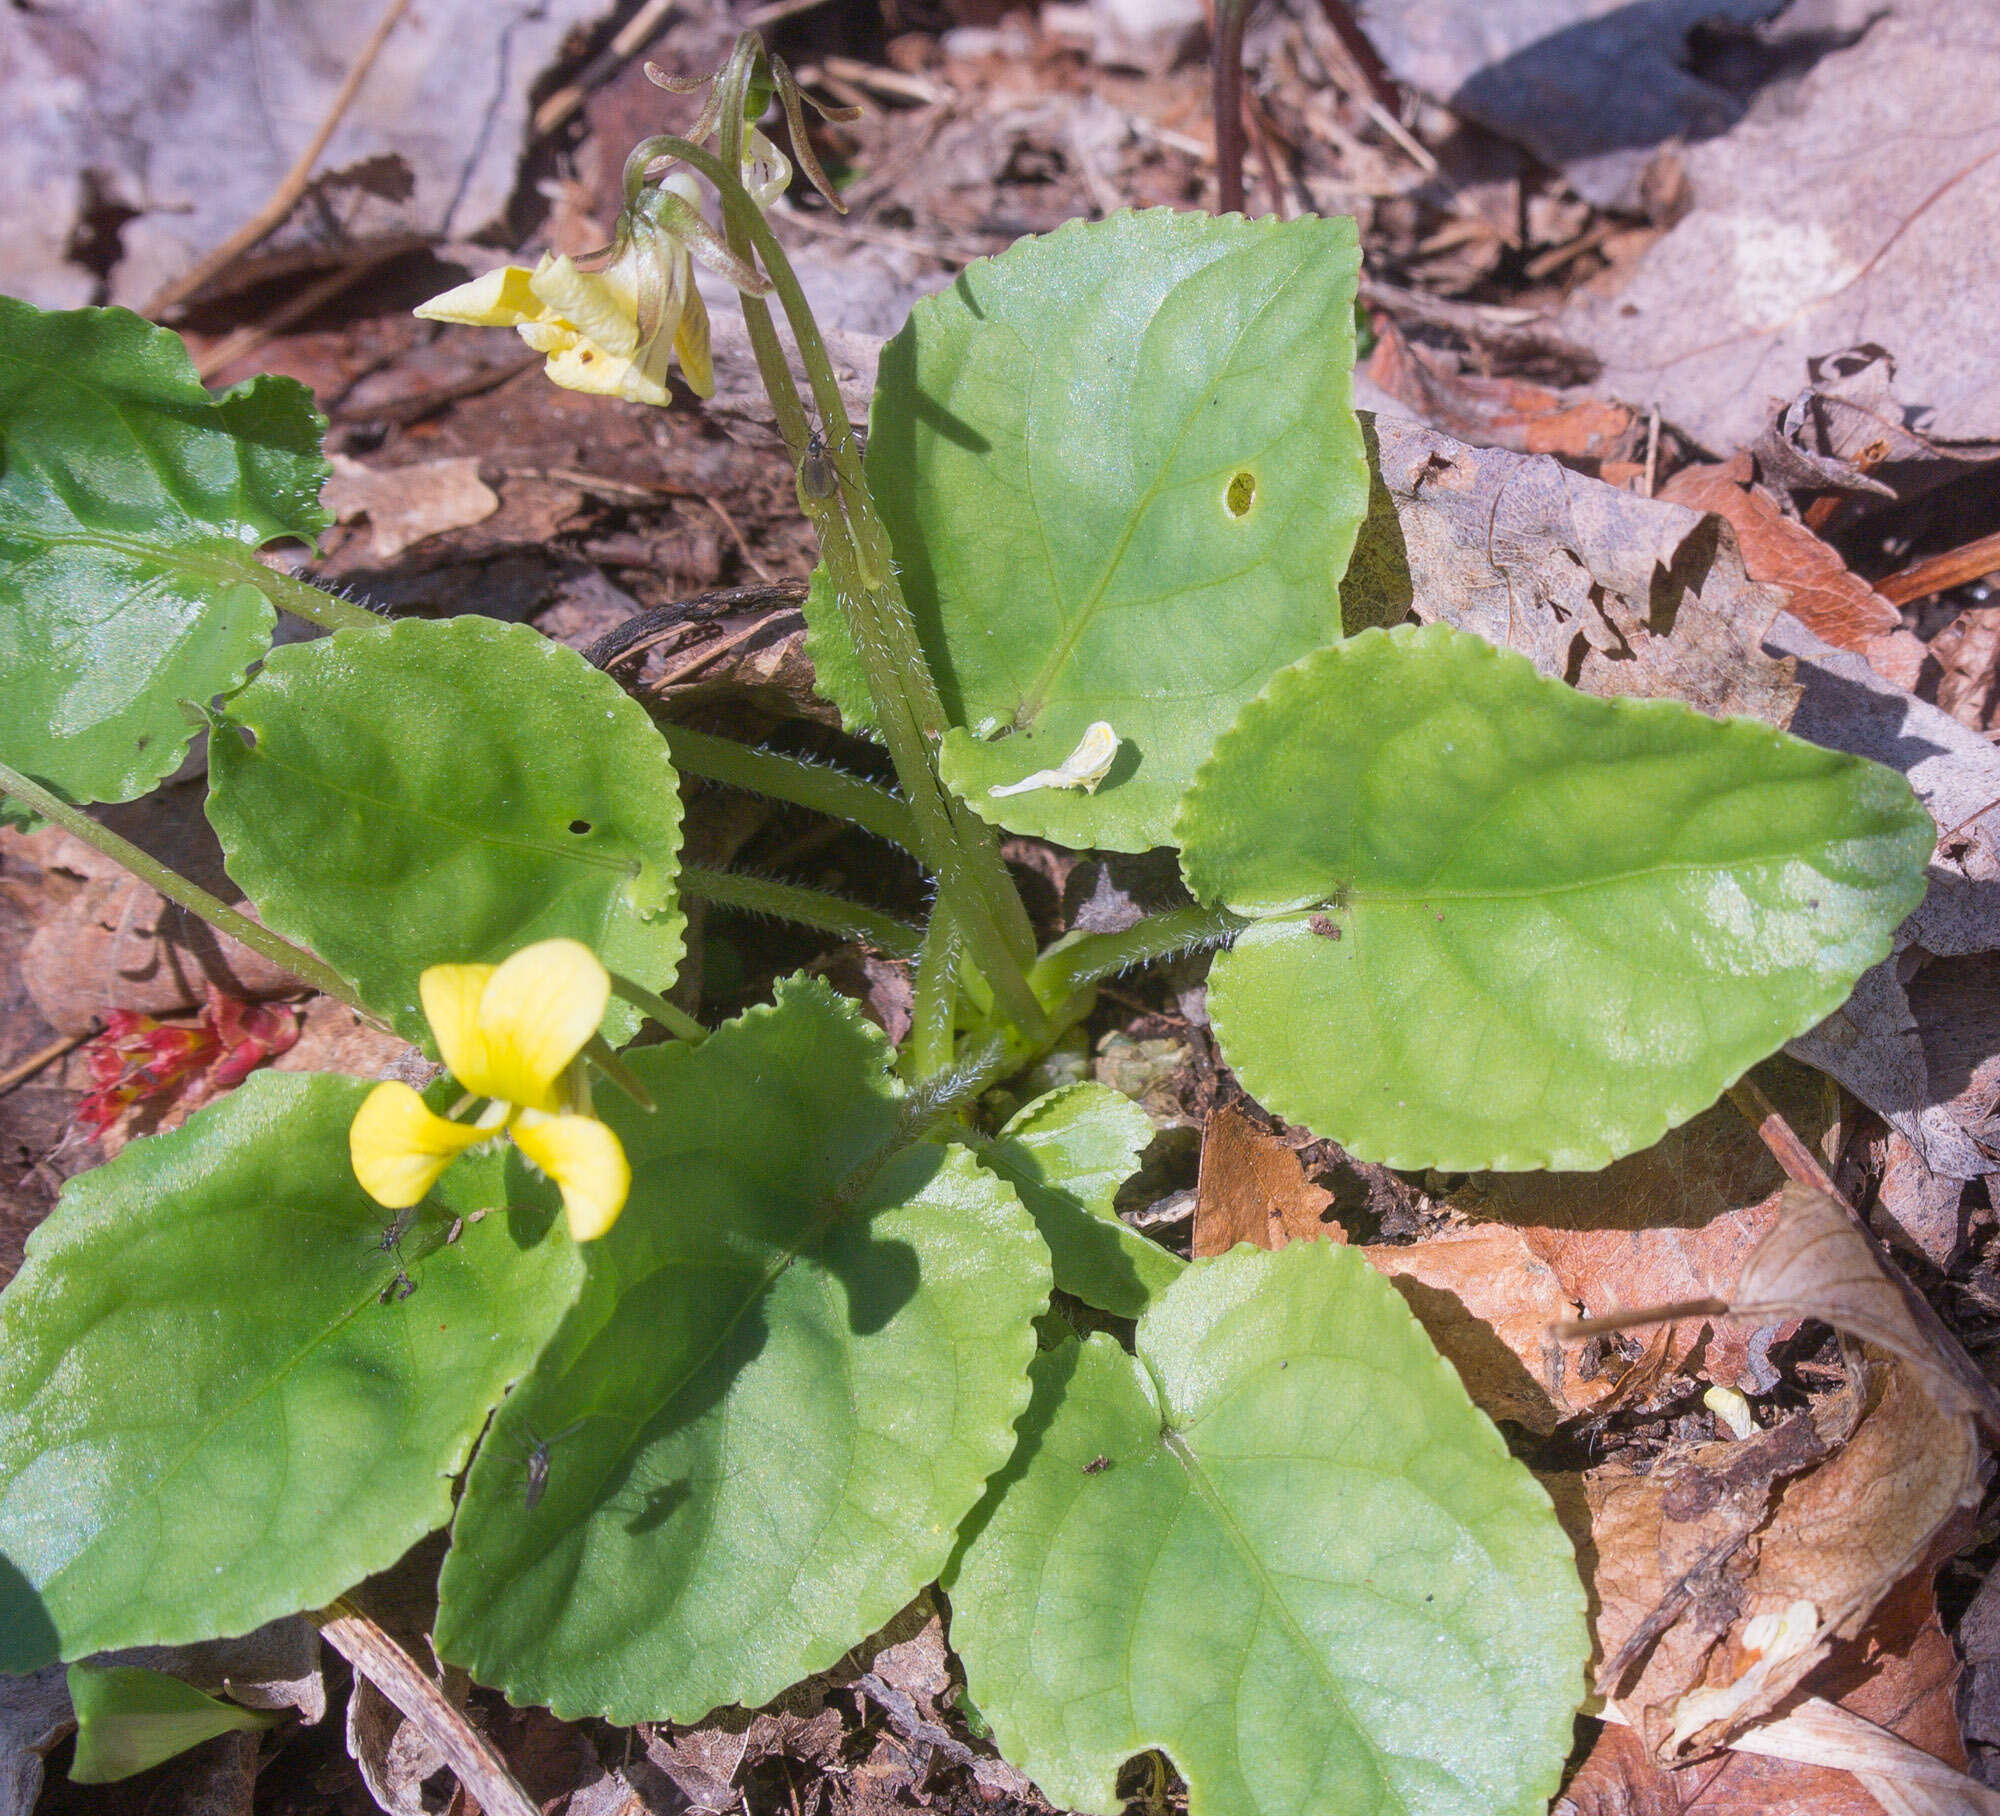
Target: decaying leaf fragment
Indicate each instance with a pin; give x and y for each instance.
(1253, 1189)
(1725, 1575)
(404, 505)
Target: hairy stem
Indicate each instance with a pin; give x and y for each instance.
(176, 888)
(934, 1011)
(959, 847)
(810, 785)
(809, 907)
(1097, 955)
(314, 604)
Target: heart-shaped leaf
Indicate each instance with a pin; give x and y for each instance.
(1066, 1154)
(1281, 1544)
(796, 1359)
(218, 1403)
(1502, 924)
(131, 504)
(449, 792)
(1122, 474)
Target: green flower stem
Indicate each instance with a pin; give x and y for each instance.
(961, 849)
(176, 888)
(1070, 968)
(677, 1022)
(934, 1013)
(809, 907)
(314, 604)
(803, 784)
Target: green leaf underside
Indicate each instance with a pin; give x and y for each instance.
(1565, 924)
(1282, 1545)
(409, 801)
(131, 501)
(1066, 1154)
(1053, 445)
(209, 1417)
(784, 1385)
(129, 1719)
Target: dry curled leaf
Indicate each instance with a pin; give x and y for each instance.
(406, 505)
(1253, 1189)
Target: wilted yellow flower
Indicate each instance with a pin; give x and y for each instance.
(610, 331)
(509, 1032)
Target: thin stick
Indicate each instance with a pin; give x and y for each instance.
(638, 32)
(245, 341)
(377, 1657)
(1969, 561)
(27, 1068)
(1226, 102)
(1361, 53)
(285, 197)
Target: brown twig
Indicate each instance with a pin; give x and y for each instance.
(286, 195)
(1226, 102)
(1367, 61)
(377, 1657)
(24, 1069)
(1939, 573)
(637, 33)
(246, 340)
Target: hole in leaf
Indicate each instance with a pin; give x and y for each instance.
(1242, 494)
(579, 827)
(248, 736)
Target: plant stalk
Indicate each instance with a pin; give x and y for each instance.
(677, 1022)
(934, 1012)
(304, 600)
(1095, 955)
(808, 907)
(809, 785)
(176, 888)
(959, 847)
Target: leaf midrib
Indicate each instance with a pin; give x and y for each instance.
(1036, 697)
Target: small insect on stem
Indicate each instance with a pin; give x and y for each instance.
(538, 1463)
(1097, 1466)
(391, 1238)
(817, 481)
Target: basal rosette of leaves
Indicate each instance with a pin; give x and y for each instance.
(132, 503)
(1499, 924)
(793, 1364)
(217, 1403)
(1280, 1543)
(455, 791)
(1122, 475)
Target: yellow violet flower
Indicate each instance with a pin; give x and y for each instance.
(509, 1032)
(609, 331)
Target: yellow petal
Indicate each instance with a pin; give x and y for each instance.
(585, 1160)
(500, 299)
(1086, 766)
(398, 1147)
(691, 343)
(603, 306)
(451, 996)
(767, 172)
(587, 367)
(536, 1012)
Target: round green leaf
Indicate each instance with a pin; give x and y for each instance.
(1502, 924)
(1122, 474)
(1067, 1153)
(130, 503)
(449, 792)
(796, 1359)
(1281, 1544)
(210, 1412)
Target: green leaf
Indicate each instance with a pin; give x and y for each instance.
(210, 1415)
(449, 792)
(796, 1359)
(1122, 474)
(1502, 924)
(1066, 1154)
(1281, 1544)
(131, 504)
(129, 1719)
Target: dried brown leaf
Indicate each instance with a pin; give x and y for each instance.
(1253, 1189)
(1826, 596)
(1620, 594)
(405, 505)
(1967, 652)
